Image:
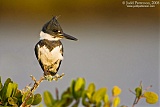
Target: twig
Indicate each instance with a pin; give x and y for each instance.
(138, 98)
(57, 94)
(37, 83)
(136, 101)
(131, 91)
(147, 88)
(35, 86)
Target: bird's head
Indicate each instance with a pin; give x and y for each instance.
(53, 31)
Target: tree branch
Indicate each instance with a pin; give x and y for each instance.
(35, 86)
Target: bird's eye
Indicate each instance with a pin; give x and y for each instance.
(57, 31)
(54, 30)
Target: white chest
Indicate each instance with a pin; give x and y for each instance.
(48, 57)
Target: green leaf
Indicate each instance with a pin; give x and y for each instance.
(91, 87)
(37, 99)
(72, 89)
(84, 97)
(12, 100)
(48, 99)
(30, 99)
(78, 88)
(66, 98)
(106, 98)
(67, 92)
(138, 91)
(79, 84)
(1, 86)
(24, 96)
(151, 97)
(18, 94)
(116, 102)
(98, 95)
(4, 89)
(8, 81)
(116, 91)
(90, 90)
(11, 90)
(14, 89)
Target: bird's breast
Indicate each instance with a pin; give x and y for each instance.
(49, 57)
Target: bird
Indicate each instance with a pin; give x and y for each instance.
(49, 49)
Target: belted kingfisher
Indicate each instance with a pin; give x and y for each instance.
(49, 50)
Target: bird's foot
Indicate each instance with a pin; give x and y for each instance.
(48, 77)
(55, 78)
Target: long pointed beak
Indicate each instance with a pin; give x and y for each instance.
(69, 37)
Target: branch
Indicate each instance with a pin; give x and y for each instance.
(35, 86)
(131, 91)
(37, 83)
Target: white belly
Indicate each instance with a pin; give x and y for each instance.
(49, 58)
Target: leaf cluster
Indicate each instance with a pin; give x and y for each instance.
(78, 94)
(140, 92)
(11, 96)
(88, 96)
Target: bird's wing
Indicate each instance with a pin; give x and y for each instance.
(36, 49)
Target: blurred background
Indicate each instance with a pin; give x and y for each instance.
(117, 45)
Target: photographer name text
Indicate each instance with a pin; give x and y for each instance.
(140, 4)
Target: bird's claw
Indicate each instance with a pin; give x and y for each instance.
(55, 78)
